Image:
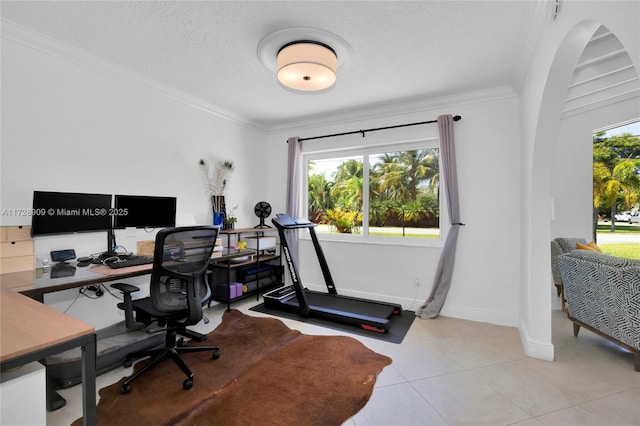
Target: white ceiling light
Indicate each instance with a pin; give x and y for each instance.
(308, 66)
(306, 60)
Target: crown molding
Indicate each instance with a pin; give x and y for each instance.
(31, 39)
(21, 35)
(397, 108)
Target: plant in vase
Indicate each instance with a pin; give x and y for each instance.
(230, 220)
(216, 181)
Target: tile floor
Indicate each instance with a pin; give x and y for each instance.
(452, 372)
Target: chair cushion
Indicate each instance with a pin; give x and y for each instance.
(145, 306)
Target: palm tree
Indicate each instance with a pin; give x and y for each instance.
(403, 176)
(627, 172)
(319, 193)
(609, 187)
(605, 194)
(348, 186)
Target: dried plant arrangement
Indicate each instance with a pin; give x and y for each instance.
(216, 180)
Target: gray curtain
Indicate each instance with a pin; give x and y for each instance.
(293, 188)
(442, 281)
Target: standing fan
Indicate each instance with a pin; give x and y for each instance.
(262, 210)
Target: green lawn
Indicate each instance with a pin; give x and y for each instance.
(620, 228)
(627, 250)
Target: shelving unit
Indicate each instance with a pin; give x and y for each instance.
(262, 271)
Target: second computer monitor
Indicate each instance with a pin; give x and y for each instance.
(142, 211)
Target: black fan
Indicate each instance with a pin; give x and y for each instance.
(262, 210)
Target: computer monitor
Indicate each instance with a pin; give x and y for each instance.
(70, 212)
(141, 211)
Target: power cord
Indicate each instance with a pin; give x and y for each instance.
(97, 291)
(83, 291)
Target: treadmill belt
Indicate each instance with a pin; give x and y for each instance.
(344, 306)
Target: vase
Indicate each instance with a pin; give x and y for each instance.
(218, 219)
(218, 204)
(219, 210)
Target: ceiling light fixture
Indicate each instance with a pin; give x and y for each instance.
(307, 66)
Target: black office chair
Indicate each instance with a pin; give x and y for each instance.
(178, 291)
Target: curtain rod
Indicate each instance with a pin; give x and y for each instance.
(455, 118)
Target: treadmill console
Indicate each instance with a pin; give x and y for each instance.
(283, 220)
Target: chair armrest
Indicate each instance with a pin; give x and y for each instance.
(125, 288)
(194, 303)
(127, 305)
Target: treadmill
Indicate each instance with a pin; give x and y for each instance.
(366, 314)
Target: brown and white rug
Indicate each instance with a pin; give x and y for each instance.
(267, 374)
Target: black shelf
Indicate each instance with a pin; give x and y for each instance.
(220, 277)
(261, 272)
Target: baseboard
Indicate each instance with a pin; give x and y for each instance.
(478, 315)
(535, 348)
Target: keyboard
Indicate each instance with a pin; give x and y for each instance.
(130, 261)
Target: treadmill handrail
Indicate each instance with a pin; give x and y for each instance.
(293, 271)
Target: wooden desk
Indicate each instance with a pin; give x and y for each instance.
(31, 331)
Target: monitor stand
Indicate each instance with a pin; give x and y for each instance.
(111, 244)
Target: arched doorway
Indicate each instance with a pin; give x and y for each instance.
(545, 207)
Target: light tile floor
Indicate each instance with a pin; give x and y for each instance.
(452, 372)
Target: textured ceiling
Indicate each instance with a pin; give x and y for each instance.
(399, 50)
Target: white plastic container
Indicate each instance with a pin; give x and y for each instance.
(265, 243)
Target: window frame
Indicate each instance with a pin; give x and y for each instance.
(365, 151)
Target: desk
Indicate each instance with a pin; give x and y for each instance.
(36, 284)
(32, 331)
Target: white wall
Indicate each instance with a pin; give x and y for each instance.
(484, 286)
(68, 125)
(67, 128)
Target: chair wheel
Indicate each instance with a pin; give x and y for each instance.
(125, 388)
(215, 354)
(187, 384)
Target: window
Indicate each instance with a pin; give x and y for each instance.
(388, 192)
(616, 189)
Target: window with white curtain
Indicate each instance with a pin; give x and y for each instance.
(380, 193)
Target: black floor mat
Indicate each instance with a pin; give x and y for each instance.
(400, 324)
